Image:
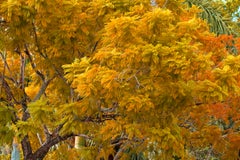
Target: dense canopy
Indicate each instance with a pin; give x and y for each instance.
(119, 79)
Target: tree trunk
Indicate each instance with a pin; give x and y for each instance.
(41, 152)
(26, 148)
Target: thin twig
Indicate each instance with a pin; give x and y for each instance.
(165, 3)
(138, 83)
(22, 71)
(47, 134)
(27, 52)
(39, 139)
(8, 68)
(37, 42)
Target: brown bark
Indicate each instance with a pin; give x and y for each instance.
(43, 150)
(26, 147)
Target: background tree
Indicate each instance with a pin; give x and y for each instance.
(217, 14)
(127, 77)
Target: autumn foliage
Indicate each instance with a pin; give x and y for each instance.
(111, 79)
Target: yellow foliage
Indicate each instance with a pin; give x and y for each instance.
(139, 76)
(32, 91)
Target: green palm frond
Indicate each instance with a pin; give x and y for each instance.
(218, 24)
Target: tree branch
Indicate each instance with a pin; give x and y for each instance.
(43, 150)
(26, 147)
(42, 77)
(165, 3)
(37, 42)
(8, 68)
(47, 133)
(27, 52)
(22, 71)
(41, 91)
(8, 91)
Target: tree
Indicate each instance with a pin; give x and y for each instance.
(218, 14)
(127, 77)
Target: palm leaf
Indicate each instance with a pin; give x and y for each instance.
(212, 15)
